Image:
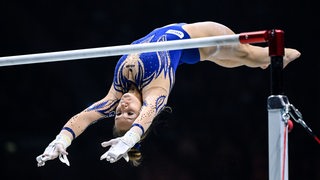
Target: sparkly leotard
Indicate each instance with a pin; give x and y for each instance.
(141, 69)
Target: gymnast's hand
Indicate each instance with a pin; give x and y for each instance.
(56, 148)
(120, 146)
(117, 150)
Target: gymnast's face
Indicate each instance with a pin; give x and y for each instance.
(127, 111)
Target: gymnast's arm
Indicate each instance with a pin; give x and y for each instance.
(77, 124)
(103, 108)
(154, 100)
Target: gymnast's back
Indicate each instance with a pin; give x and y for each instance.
(143, 69)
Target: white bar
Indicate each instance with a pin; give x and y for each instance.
(119, 50)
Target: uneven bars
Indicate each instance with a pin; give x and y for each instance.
(250, 37)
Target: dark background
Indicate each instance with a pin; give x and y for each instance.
(219, 125)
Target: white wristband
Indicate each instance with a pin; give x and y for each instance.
(131, 138)
(63, 139)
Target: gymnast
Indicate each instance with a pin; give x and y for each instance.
(142, 84)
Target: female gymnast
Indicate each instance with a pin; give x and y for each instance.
(142, 84)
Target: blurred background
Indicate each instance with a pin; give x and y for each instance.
(219, 126)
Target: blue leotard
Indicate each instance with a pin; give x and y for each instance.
(151, 65)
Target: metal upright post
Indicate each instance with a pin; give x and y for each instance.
(277, 105)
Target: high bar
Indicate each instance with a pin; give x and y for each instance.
(258, 36)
